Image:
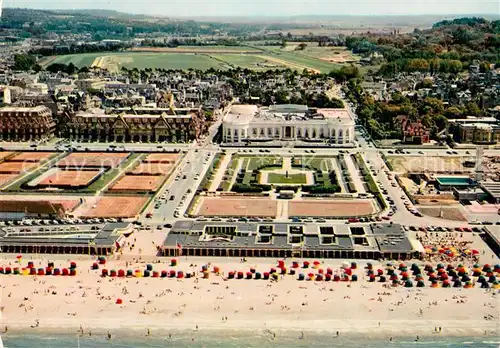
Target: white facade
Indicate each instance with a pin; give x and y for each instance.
(288, 123)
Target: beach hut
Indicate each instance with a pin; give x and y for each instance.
(292, 271)
(25, 271)
(281, 263)
(316, 264)
(408, 284)
(249, 275)
(273, 270)
(102, 260)
(30, 264)
(130, 273)
(137, 273)
(8, 270)
(65, 272)
(180, 274)
(216, 269)
(121, 273)
(354, 265)
(149, 267)
(72, 264)
(2, 271)
(382, 279)
(32, 270)
(156, 274)
(329, 271)
(104, 272)
(319, 277)
(420, 284)
(275, 276)
(305, 264)
(336, 278)
(354, 278)
(119, 301)
(95, 266)
(48, 270)
(171, 274)
(230, 275)
(301, 276)
(372, 278)
(57, 271)
(295, 264)
(496, 284)
(164, 274)
(72, 272)
(369, 265)
(240, 275)
(173, 262)
(146, 273)
(328, 277)
(112, 273)
(206, 274)
(310, 276)
(283, 270)
(258, 275)
(446, 283)
(465, 278)
(266, 275)
(457, 284)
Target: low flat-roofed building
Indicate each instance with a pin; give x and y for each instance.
(270, 239)
(26, 123)
(287, 123)
(492, 188)
(472, 129)
(18, 210)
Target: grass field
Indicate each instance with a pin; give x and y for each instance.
(297, 179)
(205, 57)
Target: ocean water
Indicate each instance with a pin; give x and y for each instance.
(221, 340)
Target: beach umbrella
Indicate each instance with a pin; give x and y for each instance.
(283, 270)
(497, 268)
(2, 271)
(48, 270)
(305, 264)
(402, 265)
(382, 279)
(390, 271)
(485, 285)
(481, 279)
(57, 271)
(240, 275)
(354, 278)
(408, 284)
(249, 275)
(216, 269)
(319, 277)
(72, 272)
(273, 270)
(130, 273)
(457, 284)
(380, 272)
(102, 260)
(187, 275)
(369, 265)
(348, 271)
(30, 264)
(354, 265)
(465, 278)
(230, 275)
(8, 270)
(328, 277)
(316, 264)
(301, 276)
(452, 273)
(336, 278)
(444, 276)
(486, 268)
(395, 277)
(112, 273)
(146, 273)
(95, 266)
(206, 274)
(180, 274)
(310, 276)
(370, 271)
(372, 278)
(24, 271)
(496, 284)
(119, 301)
(275, 276)
(432, 277)
(295, 264)
(137, 273)
(475, 252)
(173, 262)
(395, 282)
(446, 283)
(476, 272)
(420, 284)
(104, 272)
(292, 271)
(492, 278)
(266, 275)
(149, 267)
(72, 264)
(345, 277)
(204, 268)
(258, 275)
(19, 258)
(440, 266)
(121, 273)
(171, 274)
(65, 272)
(321, 271)
(329, 271)
(468, 285)
(281, 263)
(434, 284)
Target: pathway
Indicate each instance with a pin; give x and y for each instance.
(220, 173)
(358, 184)
(235, 174)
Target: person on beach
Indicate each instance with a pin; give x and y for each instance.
(5, 330)
(148, 333)
(301, 335)
(109, 336)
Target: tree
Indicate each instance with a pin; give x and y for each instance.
(440, 121)
(302, 46)
(24, 62)
(472, 109)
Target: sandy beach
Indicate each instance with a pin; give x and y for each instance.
(163, 305)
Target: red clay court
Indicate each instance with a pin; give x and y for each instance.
(4, 154)
(152, 168)
(16, 167)
(229, 206)
(327, 208)
(32, 156)
(109, 206)
(138, 183)
(5, 178)
(162, 158)
(72, 178)
(91, 159)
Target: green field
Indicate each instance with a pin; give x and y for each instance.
(292, 179)
(204, 57)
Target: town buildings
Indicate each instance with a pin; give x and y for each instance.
(246, 123)
(26, 123)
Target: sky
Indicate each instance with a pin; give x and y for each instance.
(187, 8)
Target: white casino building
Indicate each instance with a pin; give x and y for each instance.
(287, 123)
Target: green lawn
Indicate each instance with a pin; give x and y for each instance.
(80, 60)
(257, 162)
(248, 61)
(281, 179)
